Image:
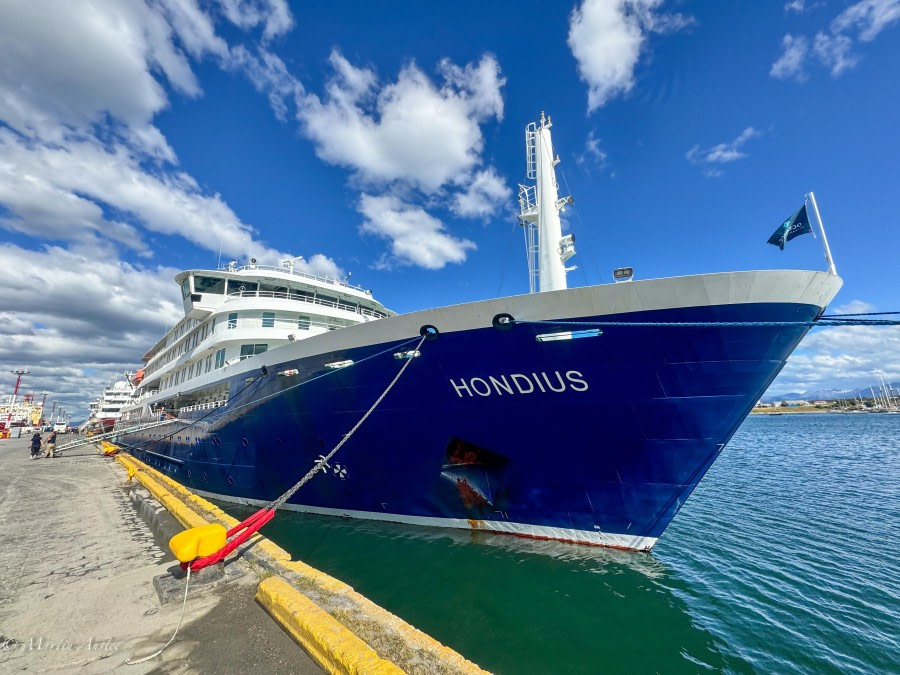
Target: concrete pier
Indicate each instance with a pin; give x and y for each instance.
(86, 582)
(77, 563)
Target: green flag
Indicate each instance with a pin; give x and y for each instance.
(794, 226)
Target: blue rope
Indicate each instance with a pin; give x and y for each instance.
(277, 393)
(841, 316)
(829, 321)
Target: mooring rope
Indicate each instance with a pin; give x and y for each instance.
(322, 462)
(188, 425)
(836, 320)
(241, 532)
(187, 583)
(259, 519)
(838, 316)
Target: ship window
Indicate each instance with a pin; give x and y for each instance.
(250, 350)
(326, 300)
(242, 287)
(186, 287)
(272, 291)
(232, 320)
(268, 320)
(209, 285)
(303, 323)
(220, 358)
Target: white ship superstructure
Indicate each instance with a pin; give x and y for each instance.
(232, 314)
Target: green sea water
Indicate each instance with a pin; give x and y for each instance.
(783, 560)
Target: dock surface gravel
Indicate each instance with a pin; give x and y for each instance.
(76, 582)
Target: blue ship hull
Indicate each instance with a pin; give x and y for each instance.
(597, 440)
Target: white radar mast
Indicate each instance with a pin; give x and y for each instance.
(547, 249)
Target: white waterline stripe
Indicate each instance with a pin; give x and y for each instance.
(570, 535)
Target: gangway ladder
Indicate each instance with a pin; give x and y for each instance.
(113, 434)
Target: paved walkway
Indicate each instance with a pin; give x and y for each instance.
(76, 592)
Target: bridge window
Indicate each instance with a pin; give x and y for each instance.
(209, 285)
(268, 320)
(242, 287)
(303, 323)
(220, 358)
(232, 320)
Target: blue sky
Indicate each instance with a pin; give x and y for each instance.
(143, 137)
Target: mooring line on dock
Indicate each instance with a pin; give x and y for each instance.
(188, 425)
(187, 584)
(250, 526)
(228, 541)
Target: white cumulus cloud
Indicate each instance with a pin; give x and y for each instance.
(416, 237)
(834, 49)
(84, 169)
(790, 64)
(481, 196)
(607, 38)
(416, 137)
(842, 357)
(413, 130)
(722, 153)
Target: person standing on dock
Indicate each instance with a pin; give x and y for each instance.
(36, 445)
(50, 445)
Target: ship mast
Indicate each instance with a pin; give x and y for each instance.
(540, 206)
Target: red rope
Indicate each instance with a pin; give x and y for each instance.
(237, 536)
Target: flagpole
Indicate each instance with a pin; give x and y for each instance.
(828, 258)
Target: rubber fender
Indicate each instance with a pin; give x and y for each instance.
(198, 542)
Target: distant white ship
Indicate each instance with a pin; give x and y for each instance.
(105, 411)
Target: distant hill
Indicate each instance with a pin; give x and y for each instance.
(830, 394)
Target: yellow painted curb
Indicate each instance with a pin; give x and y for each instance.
(313, 627)
(182, 513)
(328, 642)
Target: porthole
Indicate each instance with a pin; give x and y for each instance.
(245, 442)
(217, 441)
(230, 480)
(189, 473)
(321, 443)
(279, 442)
(205, 477)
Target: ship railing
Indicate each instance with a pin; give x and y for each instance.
(209, 405)
(293, 272)
(272, 294)
(298, 297)
(296, 325)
